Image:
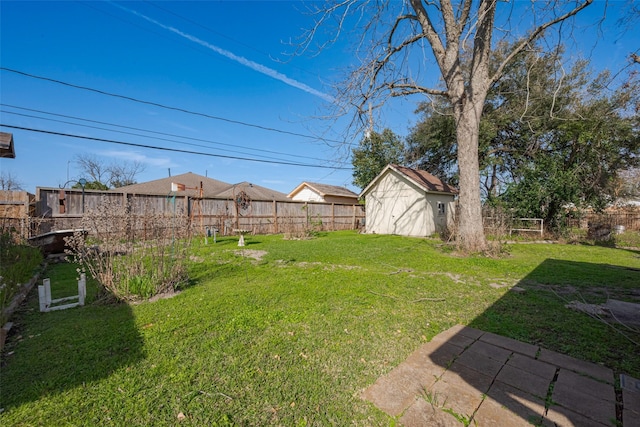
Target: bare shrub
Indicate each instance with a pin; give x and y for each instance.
(307, 228)
(132, 256)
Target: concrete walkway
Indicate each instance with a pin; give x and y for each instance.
(467, 376)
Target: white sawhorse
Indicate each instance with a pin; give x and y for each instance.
(44, 296)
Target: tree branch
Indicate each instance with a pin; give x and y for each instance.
(430, 33)
(534, 34)
(412, 88)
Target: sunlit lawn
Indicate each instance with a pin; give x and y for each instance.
(293, 337)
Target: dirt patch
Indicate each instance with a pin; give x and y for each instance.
(613, 311)
(632, 295)
(163, 295)
(326, 267)
(251, 253)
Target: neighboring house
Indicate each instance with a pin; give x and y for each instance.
(314, 192)
(408, 202)
(210, 187)
(252, 191)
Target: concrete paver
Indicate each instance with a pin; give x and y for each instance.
(524, 409)
(524, 381)
(421, 413)
(601, 410)
(510, 344)
(462, 392)
(576, 365)
(395, 391)
(564, 417)
(631, 398)
(586, 385)
(465, 374)
(489, 350)
(480, 363)
(541, 369)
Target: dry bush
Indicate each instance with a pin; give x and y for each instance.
(132, 256)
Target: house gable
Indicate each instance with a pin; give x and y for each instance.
(315, 192)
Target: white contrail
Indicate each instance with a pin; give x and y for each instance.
(239, 59)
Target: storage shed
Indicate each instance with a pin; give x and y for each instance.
(408, 202)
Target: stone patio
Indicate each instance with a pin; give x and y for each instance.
(465, 375)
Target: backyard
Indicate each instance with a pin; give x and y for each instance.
(289, 332)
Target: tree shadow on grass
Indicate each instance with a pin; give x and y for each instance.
(526, 359)
(50, 353)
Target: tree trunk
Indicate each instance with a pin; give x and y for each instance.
(470, 230)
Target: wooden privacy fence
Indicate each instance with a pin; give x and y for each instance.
(16, 210)
(58, 209)
(629, 219)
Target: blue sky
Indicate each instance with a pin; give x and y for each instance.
(224, 59)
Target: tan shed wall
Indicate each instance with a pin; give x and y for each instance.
(397, 206)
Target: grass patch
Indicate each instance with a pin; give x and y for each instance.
(288, 332)
(18, 262)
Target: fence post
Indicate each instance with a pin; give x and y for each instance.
(42, 300)
(44, 294)
(275, 217)
(82, 288)
(333, 217)
(353, 222)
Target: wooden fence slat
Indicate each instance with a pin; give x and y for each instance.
(261, 216)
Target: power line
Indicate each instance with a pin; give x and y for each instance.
(168, 107)
(175, 150)
(129, 133)
(145, 130)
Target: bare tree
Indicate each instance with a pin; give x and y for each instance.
(93, 169)
(101, 174)
(8, 182)
(398, 41)
(121, 174)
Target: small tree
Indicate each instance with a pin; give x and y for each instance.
(125, 173)
(102, 176)
(375, 151)
(93, 170)
(8, 182)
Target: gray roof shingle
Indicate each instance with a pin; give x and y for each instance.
(210, 187)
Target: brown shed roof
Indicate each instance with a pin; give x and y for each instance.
(421, 178)
(426, 180)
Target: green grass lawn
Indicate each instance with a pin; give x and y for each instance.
(289, 332)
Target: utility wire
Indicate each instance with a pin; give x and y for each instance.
(175, 150)
(145, 130)
(168, 107)
(133, 134)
